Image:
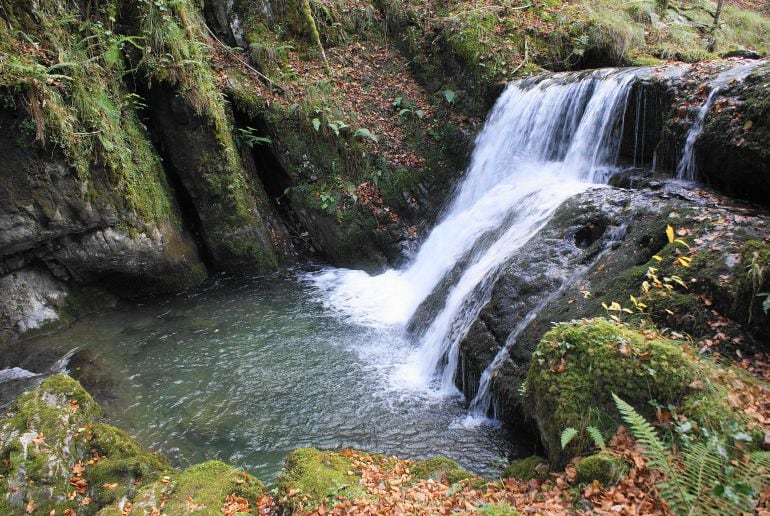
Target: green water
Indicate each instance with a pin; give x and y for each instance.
(247, 370)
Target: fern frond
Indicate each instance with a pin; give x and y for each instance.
(597, 436)
(567, 435)
(674, 489)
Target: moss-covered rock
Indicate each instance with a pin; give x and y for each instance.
(576, 368)
(312, 477)
(603, 466)
(441, 469)
(123, 465)
(529, 468)
(203, 489)
(42, 437)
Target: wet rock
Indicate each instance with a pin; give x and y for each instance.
(733, 153)
(202, 159)
(556, 277)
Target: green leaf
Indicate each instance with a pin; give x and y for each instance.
(366, 133)
(316, 124)
(567, 435)
(597, 436)
(420, 114)
(450, 96)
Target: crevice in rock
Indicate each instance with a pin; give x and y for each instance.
(271, 173)
(190, 217)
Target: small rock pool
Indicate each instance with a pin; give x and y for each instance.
(245, 370)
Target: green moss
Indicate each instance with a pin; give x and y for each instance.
(577, 366)
(312, 477)
(41, 438)
(604, 467)
(123, 462)
(530, 468)
(498, 509)
(45, 407)
(441, 469)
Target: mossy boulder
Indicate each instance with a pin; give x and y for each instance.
(51, 437)
(441, 469)
(529, 468)
(204, 489)
(41, 438)
(576, 368)
(123, 465)
(52, 445)
(604, 467)
(311, 477)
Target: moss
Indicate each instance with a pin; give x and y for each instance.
(530, 468)
(122, 461)
(441, 469)
(81, 107)
(498, 509)
(45, 407)
(604, 467)
(41, 438)
(312, 477)
(577, 366)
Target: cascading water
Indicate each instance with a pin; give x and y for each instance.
(686, 169)
(545, 140)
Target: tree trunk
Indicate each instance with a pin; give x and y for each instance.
(714, 29)
(314, 36)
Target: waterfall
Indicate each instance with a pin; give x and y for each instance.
(546, 139)
(686, 169)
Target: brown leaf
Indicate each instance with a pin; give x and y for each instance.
(31, 506)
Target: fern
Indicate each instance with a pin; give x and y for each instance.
(597, 437)
(709, 482)
(672, 490)
(567, 435)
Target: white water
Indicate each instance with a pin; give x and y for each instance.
(686, 169)
(545, 140)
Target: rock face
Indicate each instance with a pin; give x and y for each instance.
(598, 248)
(61, 232)
(223, 199)
(733, 152)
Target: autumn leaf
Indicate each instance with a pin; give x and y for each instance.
(670, 233)
(31, 506)
(78, 469)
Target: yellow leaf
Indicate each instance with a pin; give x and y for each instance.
(670, 233)
(680, 241)
(658, 258)
(684, 260)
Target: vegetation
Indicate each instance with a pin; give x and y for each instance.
(705, 478)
